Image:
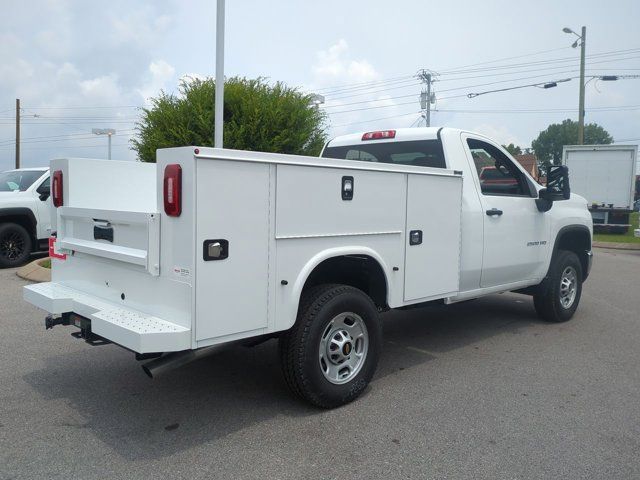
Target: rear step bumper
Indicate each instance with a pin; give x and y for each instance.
(134, 330)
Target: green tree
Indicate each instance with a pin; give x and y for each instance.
(548, 145)
(513, 149)
(257, 116)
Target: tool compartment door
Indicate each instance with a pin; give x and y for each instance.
(232, 206)
(432, 258)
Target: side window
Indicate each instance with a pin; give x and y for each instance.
(497, 173)
(360, 155)
(418, 153)
(44, 186)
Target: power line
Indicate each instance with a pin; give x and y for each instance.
(458, 70)
(75, 134)
(543, 110)
(508, 58)
(543, 62)
(127, 122)
(102, 145)
(89, 136)
(535, 69)
(370, 101)
(376, 119)
(349, 86)
(373, 108)
(411, 83)
(415, 83)
(89, 107)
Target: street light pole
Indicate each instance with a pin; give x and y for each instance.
(219, 100)
(581, 102)
(109, 132)
(17, 133)
(583, 42)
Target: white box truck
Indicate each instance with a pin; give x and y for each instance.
(212, 247)
(605, 175)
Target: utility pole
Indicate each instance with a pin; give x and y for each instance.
(581, 103)
(426, 97)
(219, 100)
(17, 133)
(583, 42)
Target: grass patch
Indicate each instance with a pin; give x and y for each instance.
(616, 238)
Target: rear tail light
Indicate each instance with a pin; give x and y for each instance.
(56, 189)
(380, 134)
(173, 190)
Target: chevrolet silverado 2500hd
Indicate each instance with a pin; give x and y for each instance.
(210, 247)
(24, 214)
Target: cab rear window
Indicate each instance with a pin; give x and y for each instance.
(419, 153)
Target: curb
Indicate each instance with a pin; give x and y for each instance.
(35, 272)
(617, 246)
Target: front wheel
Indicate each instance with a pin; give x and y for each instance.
(331, 353)
(15, 245)
(558, 297)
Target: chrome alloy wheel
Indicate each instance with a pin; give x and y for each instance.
(568, 287)
(343, 348)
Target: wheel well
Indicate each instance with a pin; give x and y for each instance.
(21, 220)
(577, 241)
(359, 271)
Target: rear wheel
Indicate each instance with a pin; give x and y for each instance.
(558, 297)
(15, 245)
(331, 353)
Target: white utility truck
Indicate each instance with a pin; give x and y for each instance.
(25, 214)
(605, 175)
(213, 247)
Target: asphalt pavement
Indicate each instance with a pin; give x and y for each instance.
(481, 389)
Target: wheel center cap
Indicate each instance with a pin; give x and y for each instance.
(346, 348)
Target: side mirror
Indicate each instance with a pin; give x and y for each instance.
(557, 188)
(544, 202)
(44, 191)
(558, 182)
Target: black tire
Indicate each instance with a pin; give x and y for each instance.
(549, 302)
(300, 348)
(15, 245)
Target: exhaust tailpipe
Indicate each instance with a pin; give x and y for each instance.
(177, 359)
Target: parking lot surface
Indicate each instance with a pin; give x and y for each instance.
(481, 389)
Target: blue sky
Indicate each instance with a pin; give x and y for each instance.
(76, 65)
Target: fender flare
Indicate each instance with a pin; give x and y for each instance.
(577, 228)
(571, 228)
(20, 212)
(318, 258)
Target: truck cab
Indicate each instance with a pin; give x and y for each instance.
(507, 241)
(25, 214)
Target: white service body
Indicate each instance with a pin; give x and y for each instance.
(152, 289)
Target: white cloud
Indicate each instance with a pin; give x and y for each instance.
(103, 90)
(499, 133)
(140, 26)
(72, 63)
(161, 74)
(349, 110)
(336, 64)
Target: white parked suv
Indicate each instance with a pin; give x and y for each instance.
(25, 218)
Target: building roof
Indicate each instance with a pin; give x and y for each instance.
(529, 162)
